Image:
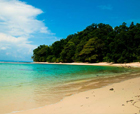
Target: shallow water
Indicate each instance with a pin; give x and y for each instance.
(26, 86)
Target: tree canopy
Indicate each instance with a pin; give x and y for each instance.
(97, 43)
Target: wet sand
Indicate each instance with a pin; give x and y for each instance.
(121, 98)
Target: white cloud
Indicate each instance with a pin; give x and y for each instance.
(3, 48)
(17, 24)
(18, 47)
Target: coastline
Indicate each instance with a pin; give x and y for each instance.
(118, 97)
(133, 64)
(122, 97)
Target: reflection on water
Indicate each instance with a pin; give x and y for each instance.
(26, 86)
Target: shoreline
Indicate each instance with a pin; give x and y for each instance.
(67, 104)
(127, 65)
(122, 97)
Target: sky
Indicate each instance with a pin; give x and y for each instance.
(26, 24)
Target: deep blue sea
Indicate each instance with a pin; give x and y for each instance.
(27, 85)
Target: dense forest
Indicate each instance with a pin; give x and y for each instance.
(96, 43)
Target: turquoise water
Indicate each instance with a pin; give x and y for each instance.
(26, 86)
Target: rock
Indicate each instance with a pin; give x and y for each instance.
(111, 89)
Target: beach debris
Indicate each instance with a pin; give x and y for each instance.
(130, 101)
(137, 96)
(111, 89)
(87, 97)
(123, 105)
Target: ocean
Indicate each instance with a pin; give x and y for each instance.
(25, 86)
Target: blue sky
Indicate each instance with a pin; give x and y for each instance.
(26, 24)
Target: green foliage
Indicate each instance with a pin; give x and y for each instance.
(97, 43)
(40, 54)
(68, 52)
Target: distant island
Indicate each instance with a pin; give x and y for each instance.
(96, 43)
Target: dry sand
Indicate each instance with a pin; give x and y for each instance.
(117, 98)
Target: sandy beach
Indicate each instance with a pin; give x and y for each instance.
(117, 98)
(133, 64)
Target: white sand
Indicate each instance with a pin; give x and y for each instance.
(124, 99)
(134, 64)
